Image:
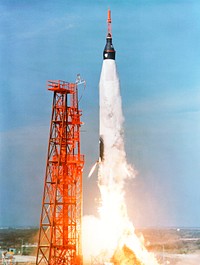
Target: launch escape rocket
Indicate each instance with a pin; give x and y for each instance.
(109, 51)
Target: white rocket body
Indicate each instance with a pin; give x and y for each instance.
(112, 154)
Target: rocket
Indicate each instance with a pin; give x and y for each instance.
(109, 51)
(108, 54)
(111, 145)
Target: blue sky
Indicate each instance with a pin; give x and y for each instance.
(158, 59)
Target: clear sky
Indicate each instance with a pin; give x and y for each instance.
(158, 59)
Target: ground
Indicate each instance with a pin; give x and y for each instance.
(174, 246)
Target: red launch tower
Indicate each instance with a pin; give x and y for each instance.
(60, 224)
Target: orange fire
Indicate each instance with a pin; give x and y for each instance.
(111, 237)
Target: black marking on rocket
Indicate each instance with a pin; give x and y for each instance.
(101, 149)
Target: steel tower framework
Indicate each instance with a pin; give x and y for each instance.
(60, 224)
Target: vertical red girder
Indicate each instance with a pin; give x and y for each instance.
(60, 224)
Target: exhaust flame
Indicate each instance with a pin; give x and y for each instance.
(92, 169)
(112, 235)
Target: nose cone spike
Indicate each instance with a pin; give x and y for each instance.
(109, 51)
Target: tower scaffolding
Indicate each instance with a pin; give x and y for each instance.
(60, 223)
